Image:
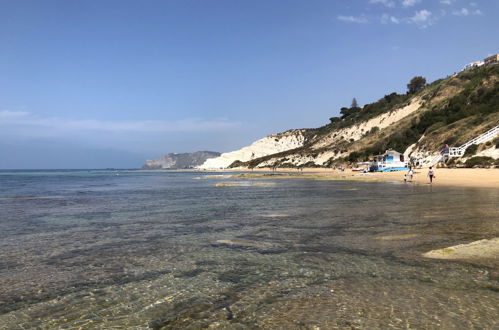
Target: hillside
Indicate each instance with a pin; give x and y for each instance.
(180, 161)
(448, 111)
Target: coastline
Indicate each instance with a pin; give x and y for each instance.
(457, 177)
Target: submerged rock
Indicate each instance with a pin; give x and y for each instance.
(396, 237)
(244, 184)
(244, 243)
(228, 184)
(483, 249)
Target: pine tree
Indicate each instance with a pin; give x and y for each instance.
(354, 103)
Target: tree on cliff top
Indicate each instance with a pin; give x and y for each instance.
(416, 84)
(354, 103)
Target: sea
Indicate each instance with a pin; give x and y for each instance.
(125, 249)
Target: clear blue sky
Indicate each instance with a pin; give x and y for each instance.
(93, 84)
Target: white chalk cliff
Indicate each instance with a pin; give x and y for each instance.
(180, 161)
(267, 146)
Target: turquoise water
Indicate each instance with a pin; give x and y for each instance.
(131, 249)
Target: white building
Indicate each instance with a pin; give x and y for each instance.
(473, 65)
(492, 59)
(391, 160)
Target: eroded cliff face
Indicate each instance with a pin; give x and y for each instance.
(337, 144)
(358, 131)
(180, 161)
(271, 144)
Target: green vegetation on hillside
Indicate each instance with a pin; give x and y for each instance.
(455, 109)
(481, 162)
(355, 115)
(476, 104)
(477, 99)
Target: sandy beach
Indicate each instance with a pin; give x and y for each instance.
(459, 177)
(462, 177)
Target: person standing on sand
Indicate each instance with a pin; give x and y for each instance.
(409, 175)
(431, 174)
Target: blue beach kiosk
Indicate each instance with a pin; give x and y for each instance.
(390, 161)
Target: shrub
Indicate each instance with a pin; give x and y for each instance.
(354, 156)
(236, 163)
(310, 164)
(451, 140)
(373, 130)
(401, 140)
(479, 162)
(435, 126)
(471, 150)
(334, 119)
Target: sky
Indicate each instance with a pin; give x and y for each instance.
(99, 84)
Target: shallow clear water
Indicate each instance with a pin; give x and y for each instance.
(130, 249)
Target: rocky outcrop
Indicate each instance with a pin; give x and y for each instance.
(180, 161)
(271, 144)
(482, 249)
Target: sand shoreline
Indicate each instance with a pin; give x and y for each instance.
(458, 177)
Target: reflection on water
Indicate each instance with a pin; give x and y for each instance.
(161, 250)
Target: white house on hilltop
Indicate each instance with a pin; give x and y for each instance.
(473, 65)
(494, 59)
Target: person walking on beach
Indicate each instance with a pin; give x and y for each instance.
(431, 174)
(409, 175)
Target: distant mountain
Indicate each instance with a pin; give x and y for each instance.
(180, 161)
